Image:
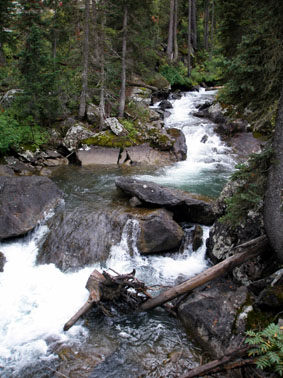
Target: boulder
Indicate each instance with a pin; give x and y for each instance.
(158, 232)
(197, 237)
(216, 114)
(19, 167)
(6, 171)
(165, 104)
(216, 315)
(92, 113)
(185, 206)
(115, 126)
(180, 145)
(81, 238)
(2, 262)
(24, 201)
(74, 136)
(96, 155)
(141, 94)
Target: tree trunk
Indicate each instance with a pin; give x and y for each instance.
(175, 31)
(206, 22)
(102, 69)
(189, 36)
(95, 30)
(171, 31)
(273, 206)
(2, 56)
(194, 24)
(212, 29)
(84, 92)
(248, 250)
(124, 65)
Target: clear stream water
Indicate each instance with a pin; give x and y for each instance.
(36, 300)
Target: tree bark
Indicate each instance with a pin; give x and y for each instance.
(248, 250)
(175, 31)
(124, 64)
(212, 29)
(102, 69)
(273, 206)
(189, 36)
(2, 56)
(171, 31)
(84, 92)
(194, 24)
(206, 22)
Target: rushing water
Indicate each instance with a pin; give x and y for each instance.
(36, 301)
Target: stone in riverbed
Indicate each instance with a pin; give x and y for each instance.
(216, 315)
(96, 155)
(23, 202)
(2, 262)
(158, 232)
(185, 206)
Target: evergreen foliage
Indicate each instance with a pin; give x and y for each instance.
(268, 347)
(251, 181)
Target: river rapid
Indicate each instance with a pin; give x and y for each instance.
(36, 300)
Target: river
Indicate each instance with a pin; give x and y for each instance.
(36, 300)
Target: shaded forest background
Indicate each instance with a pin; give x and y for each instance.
(62, 55)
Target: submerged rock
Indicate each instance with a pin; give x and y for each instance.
(23, 202)
(185, 206)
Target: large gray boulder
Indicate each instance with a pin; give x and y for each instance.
(185, 206)
(216, 316)
(81, 238)
(158, 232)
(24, 201)
(180, 145)
(75, 135)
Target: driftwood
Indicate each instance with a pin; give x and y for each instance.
(233, 360)
(123, 290)
(243, 252)
(143, 85)
(126, 293)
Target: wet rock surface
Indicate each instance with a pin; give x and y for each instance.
(2, 262)
(81, 237)
(158, 232)
(216, 315)
(183, 205)
(23, 202)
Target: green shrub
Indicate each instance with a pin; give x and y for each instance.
(251, 177)
(268, 347)
(14, 134)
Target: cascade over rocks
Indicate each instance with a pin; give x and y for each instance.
(85, 237)
(185, 206)
(24, 201)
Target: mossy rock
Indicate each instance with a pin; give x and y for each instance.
(108, 139)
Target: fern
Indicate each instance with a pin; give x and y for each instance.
(268, 347)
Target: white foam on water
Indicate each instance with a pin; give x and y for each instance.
(36, 301)
(211, 157)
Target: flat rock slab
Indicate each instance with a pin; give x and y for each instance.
(185, 206)
(23, 202)
(98, 156)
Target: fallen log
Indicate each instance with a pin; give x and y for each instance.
(242, 252)
(123, 290)
(229, 361)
